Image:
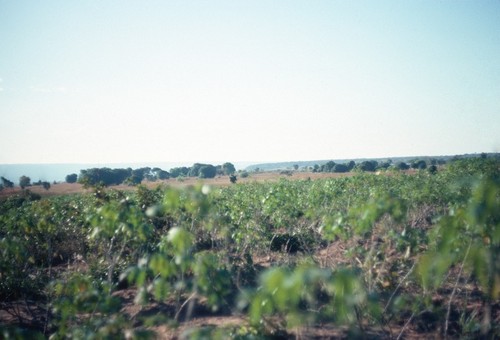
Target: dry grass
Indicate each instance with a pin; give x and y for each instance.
(75, 188)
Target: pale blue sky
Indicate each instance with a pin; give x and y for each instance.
(179, 81)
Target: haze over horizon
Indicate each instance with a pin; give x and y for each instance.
(189, 81)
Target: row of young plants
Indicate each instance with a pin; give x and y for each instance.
(387, 254)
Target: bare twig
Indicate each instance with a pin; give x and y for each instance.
(399, 285)
(454, 290)
(12, 310)
(359, 318)
(109, 258)
(406, 325)
(113, 260)
(176, 318)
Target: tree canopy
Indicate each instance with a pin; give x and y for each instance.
(228, 168)
(24, 181)
(71, 178)
(6, 183)
(106, 176)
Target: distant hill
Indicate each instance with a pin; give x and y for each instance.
(289, 165)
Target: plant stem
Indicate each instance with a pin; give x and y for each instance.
(453, 292)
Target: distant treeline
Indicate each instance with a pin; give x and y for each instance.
(393, 161)
(107, 176)
(372, 165)
(24, 181)
(429, 163)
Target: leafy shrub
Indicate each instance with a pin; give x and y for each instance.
(371, 247)
(71, 178)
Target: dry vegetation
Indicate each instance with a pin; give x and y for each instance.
(76, 188)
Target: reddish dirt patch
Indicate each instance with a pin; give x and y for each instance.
(75, 188)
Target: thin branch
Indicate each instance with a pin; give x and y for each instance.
(113, 260)
(109, 258)
(176, 318)
(448, 311)
(406, 325)
(399, 285)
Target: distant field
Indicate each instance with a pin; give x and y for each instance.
(75, 188)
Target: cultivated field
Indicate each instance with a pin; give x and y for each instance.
(388, 256)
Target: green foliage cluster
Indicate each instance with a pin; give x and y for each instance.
(373, 165)
(331, 166)
(108, 177)
(71, 178)
(203, 170)
(24, 181)
(6, 183)
(400, 241)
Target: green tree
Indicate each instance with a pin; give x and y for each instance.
(207, 171)
(134, 179)
(142, 173)
(160, 174)
(384, 165)
(419, 164)
(402, 166)
(6, 183)
(107, 176)
(340, 168)
(202, 170)
(228, 168)
(328, 167)
(368, 166)
(351, 165)
(24, 181)
(179, 172)
(71, 178)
